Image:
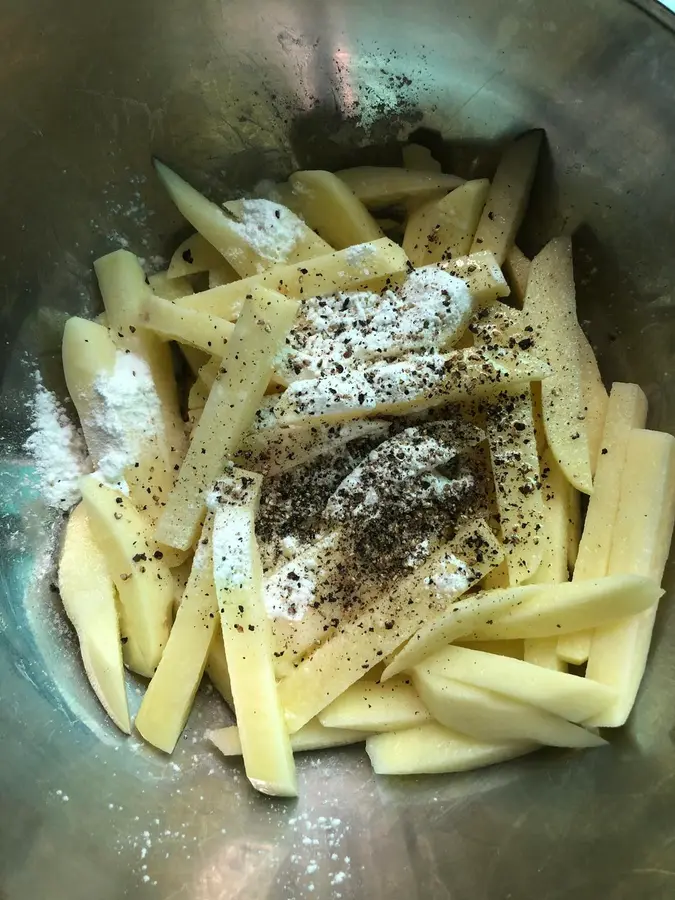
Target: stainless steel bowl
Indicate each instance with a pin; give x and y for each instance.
(230, 92)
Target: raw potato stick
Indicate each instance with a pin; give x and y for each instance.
(550, 308)
(489, 716)
(333, 210)
(482, 275)
(247, 636)
(229, 411)
(594, 396)
(627, 409)
(307, 245)
(169, 288)
(143, 581)
(171, 322)
(168, 700)
(367, 639)
(508, 197)
(313, 736)
(417, 158)
(89, 599)
(640, 544)
(517, 270)
(194, 256)
(379, 186)
(433, 749)
(374, 707)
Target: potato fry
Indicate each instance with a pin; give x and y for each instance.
(544, 652)
(380, 186)
(313, 736)
(433, 749)
(640, 544)
(550, 307)
(373, 707)
(517, 270)
(489, 716)
(514, 649)
(171, 322)
(229, 411)
(216, 668)
(627, 409)
(194, 256)
(482, 275)
(443, 229)
(142, 579)
(89, 599)
(333, 210)
(417, 158)
(508, 197)
(247, 636)
(594, 396)
(170, 288)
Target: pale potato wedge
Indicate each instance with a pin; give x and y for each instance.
(373, 707)
(508, 197)
(380, 186)
(444, 229)
(216, 668)
(626, 409)
(509, 425)
(489, 716)
(196, 255)
(169, 697)
(313, 736)
(282, 223)
(372, 265)
(365, 640)
(594, 396)
(171, 322)
(170, 288)
(514, 649)
(544, 652)
(419, 159)
(564, 695)
(640, 544)
(247, 636)
(143, 580)
(333, 210)
(433, 749)
(555, 491)
(89, 599)
(220, 275)
(497, 578)
(550, 308)
(517, 270)
(408, 385)
(229, 412)
(482, 275)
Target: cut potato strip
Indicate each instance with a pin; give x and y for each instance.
(544, 652)
(380, 186)
(216, 668)
(509, 425)
(220, 275)
(555, 492)
(417, 158)
(372, 265)
(409, 385)
(627, 409)
(550, 308)
(640, 544)
(88, 596)
(509, 195)
(373, 707)
(251, 245)
(568, 696)
(549, 609)
(443, 229)
(514, 649)
(194, 256)
(517, 270)
(123, 288)
(482, 275)
(171, 322)
(143, 581)
(594, 396)
(247, 636)
(313, 736)
(433, 749)
(170, 288)
(364, 641)
(168, 700)
(497, 578)
(229, 412)
(333, 210)
(489, 716)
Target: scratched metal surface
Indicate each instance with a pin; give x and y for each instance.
(229, 92)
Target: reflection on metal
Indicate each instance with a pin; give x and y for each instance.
(229, 92)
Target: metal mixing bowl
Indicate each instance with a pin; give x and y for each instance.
(229, 92)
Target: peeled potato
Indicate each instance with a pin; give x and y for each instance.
(372, 706)
(314, 736)
(333, 210)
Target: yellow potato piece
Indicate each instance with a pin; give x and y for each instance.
(419, 159)
(550, 308)
(640, 544)
(366, 640)
(143, 581)
(313, 736)
(168, 700)
(333, 210)
(88, 596)
(443, 229)
(170, 288)
(594, 396)
(489, 716)
(508, 197)
(194, 358)
(433, 749)
(196, 255)
(229, 411)
(544, 652)
(517, 270)
(379, 186)
(171, 322)
(247, 637)
(482, 275)
(514, 649)
(373, 707)
(627, 409)
(308, 244)
(216, 668)
(568, 696)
